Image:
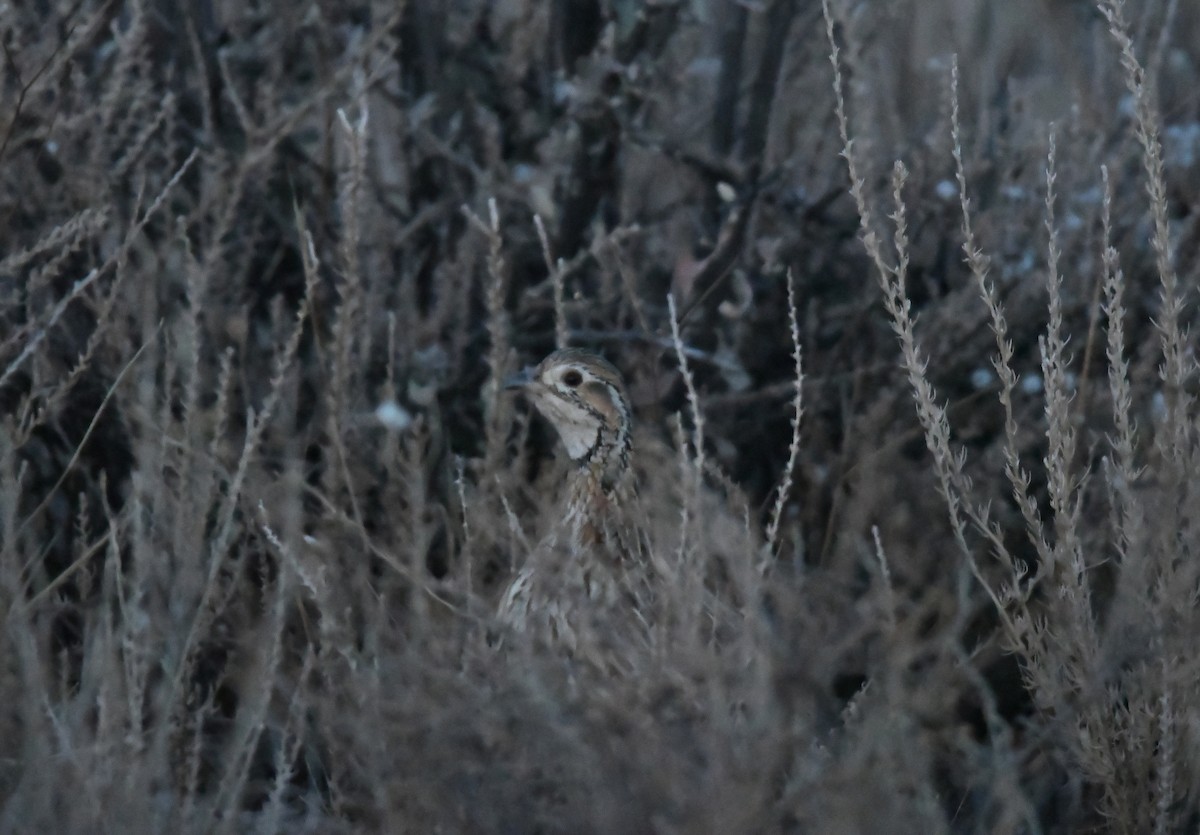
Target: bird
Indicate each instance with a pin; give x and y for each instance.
(603, 558)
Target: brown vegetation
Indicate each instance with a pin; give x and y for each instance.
(265, 266)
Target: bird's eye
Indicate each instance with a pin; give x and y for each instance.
(572, 378)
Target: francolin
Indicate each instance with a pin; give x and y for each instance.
(602, 559)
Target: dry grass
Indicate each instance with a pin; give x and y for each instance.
(917, 445)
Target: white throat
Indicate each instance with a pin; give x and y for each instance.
(578, 440)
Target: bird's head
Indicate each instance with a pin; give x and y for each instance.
(583, 396)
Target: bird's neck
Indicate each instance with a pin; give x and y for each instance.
(599, 493)
(607, 461)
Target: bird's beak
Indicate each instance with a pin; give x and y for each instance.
(519, 380)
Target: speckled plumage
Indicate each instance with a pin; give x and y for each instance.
(595, 557)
